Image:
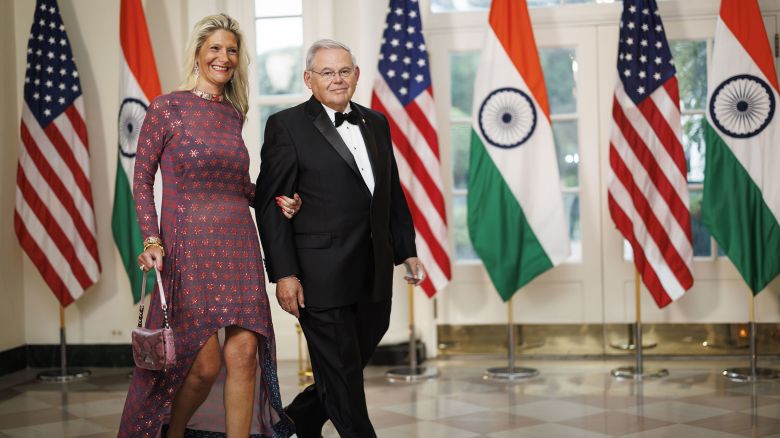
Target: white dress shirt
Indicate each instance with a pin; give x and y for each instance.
(357, 146)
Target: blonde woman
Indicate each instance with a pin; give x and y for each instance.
(207, 250)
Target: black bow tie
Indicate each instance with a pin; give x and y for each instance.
(351, 117)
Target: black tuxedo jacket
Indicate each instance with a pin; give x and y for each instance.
(344, 242)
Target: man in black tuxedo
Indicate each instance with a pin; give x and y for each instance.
(333, 262)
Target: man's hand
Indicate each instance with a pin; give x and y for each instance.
(289, 293)
(415, 271)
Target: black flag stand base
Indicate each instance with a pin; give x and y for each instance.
(752, 373)
(414, 372)
(510, 372)
(64, 373)
(638, 372)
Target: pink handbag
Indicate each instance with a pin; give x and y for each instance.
(153, 349)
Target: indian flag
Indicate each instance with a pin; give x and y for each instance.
(516, 217)
(139, 85)
(741, 205)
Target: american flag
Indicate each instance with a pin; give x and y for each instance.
(54, 217)
(648, 189)
(404, 93)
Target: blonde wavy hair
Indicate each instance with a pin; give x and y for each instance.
(237, 90)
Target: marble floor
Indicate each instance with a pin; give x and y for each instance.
(576, 398)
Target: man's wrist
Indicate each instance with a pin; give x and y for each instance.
(291, 277)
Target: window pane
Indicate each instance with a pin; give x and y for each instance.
(701, 236)
(463, 69)
(693, 143)
(690, 58)
(538, 3)
(461, 144)
(571, 204)
(463, 248)
(472, 5)
(265, 112)
(559, 66)
(459, 5)
(280, 55)
(565, 134)
(276, 8)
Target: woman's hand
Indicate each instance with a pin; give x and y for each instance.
(289, 206)
(152, 257)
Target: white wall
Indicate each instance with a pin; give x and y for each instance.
(11, 291)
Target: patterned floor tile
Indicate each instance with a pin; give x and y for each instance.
(495, 400)
(608, 401)
(681, 431)
(424, 429)
(96, 408)
(435, 409)
(615, 423)
(732, 402)
(568, 399)
(553, 410)
(110, 422)
(741, 424)
(446, 386)
(22, 403)
(548, 430)
(58, 397)
(65, 429)
(488, 422)
(674, 412)
(387, 397)
(381, 418)
(33, 417)
(772, 411)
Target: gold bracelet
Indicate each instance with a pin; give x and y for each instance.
(154, 241)
(149, 245)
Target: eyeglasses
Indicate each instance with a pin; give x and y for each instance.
(329, 75)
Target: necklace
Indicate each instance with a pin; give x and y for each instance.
(208, 96)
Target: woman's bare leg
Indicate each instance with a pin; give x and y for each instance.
(240, 353)
(196, 386)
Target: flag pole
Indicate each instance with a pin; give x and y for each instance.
(305, 373)
(638, 372)
(413, 372)
(510, 372)
(633, 338)
(752, 373)
(63, 374)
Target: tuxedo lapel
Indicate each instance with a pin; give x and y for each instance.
(323, 124)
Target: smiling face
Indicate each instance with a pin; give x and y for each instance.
(337, 92)
(217, 60)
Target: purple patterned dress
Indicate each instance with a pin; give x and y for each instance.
(212, 269)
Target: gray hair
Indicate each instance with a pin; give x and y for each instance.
(325, 44)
